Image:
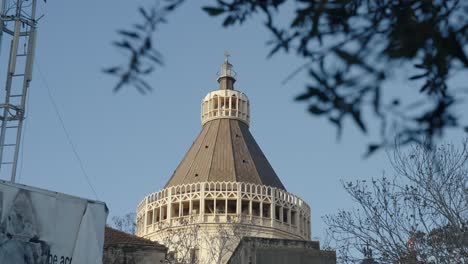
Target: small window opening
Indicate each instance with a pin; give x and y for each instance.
(277, 213)
(285, 215)
(206, 146)
(149, 219)
(245, 207)
(196, 174)
(266, 210)
(293, 217)
(185, 208)
(209, 206)
(220, 206)
(195, 207)
(157, 216)
(233, 102)
(164, 212)
(215, 102)
(175, 210)
(255, 208)
(222, 104)
(232, 206)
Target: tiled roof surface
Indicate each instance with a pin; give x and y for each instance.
(225, 150)
(116, 237)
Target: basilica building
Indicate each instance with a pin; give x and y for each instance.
(224, 189)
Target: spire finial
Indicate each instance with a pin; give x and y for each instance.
(227, 55)
(226, 77)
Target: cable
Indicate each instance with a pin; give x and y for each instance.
(70, 142)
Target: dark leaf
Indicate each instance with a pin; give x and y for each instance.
(140, 88)
(144, 14)
(303, 96)
(155, 59)
(318, 78)
(313, 92)
(316, 110)
(213, 11)
(419, 76)
(274, 50)
(130, 34)
(147, 45)
(173, 6)
(376, 101)
(139, 27)
(371, 148)
(148, 71)
(337, 123)
(348, 57)
(425, 87)
(357, 118)
(124, 44)
(144, 84)
(229, 21)
(119, 85)
(420, 66)
(111, 70)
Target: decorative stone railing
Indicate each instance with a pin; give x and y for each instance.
(225, 104)
(224, 202)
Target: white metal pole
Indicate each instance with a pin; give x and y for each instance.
(26, 79)
(2, 14)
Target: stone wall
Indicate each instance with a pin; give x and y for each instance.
(254, 250)
(133, 254)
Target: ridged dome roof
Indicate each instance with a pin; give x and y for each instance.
(225, 150)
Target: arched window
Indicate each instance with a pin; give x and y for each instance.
(234, 102)
(215, 105)
(215, 102)
(223, 102)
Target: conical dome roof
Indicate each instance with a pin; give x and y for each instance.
(225, 150)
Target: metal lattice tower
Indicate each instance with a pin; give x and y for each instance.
(17, 28)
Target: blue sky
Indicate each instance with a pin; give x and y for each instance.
(130, 144)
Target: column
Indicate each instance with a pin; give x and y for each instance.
(202, 201)
(273, 207)
(239, 201)
(169, 206)
(181, 208)
(145, 219)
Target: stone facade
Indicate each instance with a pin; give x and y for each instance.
(255, 250)
(192, 215)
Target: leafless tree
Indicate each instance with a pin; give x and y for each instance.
(420, 215)
(224, 241)
(182, 243)
(124, 223)
(217, 241)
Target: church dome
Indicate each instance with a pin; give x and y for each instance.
(225, 150)
(223, 184)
